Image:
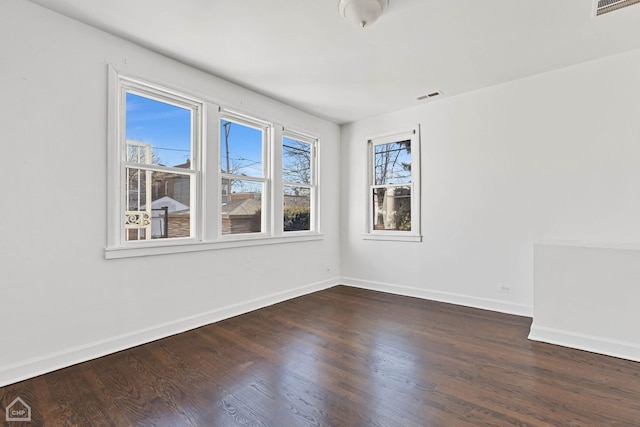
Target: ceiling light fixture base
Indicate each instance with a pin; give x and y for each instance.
(362, 13)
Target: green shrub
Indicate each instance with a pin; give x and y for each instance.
(297, 218)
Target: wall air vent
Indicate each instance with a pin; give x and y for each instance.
(432, 94)
(604, 6)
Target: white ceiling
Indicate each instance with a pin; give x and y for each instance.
(303, 53)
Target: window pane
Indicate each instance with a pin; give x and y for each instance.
(242, 206)
(241, 149)
(393, 163)
(296, 161)
(157, 133)
(157, 205)
(392, 208)
(297, 208)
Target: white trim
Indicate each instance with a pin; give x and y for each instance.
(276, 181)
(210, 174)
(392, 135)
(265, 178)
(183, 90)
(414, 135)
(162, 92)
(119, 85)
(591, 343)
(249, 120)
(114, 204)
(392, 237)
(300, 136)
(176, 247)
(30, 368)
(205, 175)
(416, 180)
(313, 186)
(594, 245)
(448, 297)
(317, 199)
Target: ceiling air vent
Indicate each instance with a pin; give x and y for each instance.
(604, 6)
(432, 94)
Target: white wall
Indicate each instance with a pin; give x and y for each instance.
(554, 156)
(586, 296)
(62, 302)
(548, 157)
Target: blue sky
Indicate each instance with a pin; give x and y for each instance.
(168, 129)
(245, 149)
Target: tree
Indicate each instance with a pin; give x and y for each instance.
(296, 161)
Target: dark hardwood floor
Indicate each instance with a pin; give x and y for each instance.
(342, 357)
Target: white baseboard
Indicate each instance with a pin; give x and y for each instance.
(30, 368)
(465, 300)
(594, 344)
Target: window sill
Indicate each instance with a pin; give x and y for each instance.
(393, 237)
(140, 251)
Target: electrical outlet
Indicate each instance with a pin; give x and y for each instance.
(507, 289)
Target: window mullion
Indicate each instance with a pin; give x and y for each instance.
(161, 169)
(315, 197)
(242, 177)
(415, 183)
(277, 183)
(407, 184)
(297, 184)
(209, 193)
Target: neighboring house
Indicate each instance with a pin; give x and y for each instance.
(301, 200)
(175, 186)
(169, 218)
(168, 194)
(241, 215)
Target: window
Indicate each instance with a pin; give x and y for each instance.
(185, 175)
(394, 187)
(298, 182)
(158, 135)
(243, 174)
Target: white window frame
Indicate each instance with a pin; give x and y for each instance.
(206, 233)
(265, 179)
(312, 186)
(118, 164)
(413, 235)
